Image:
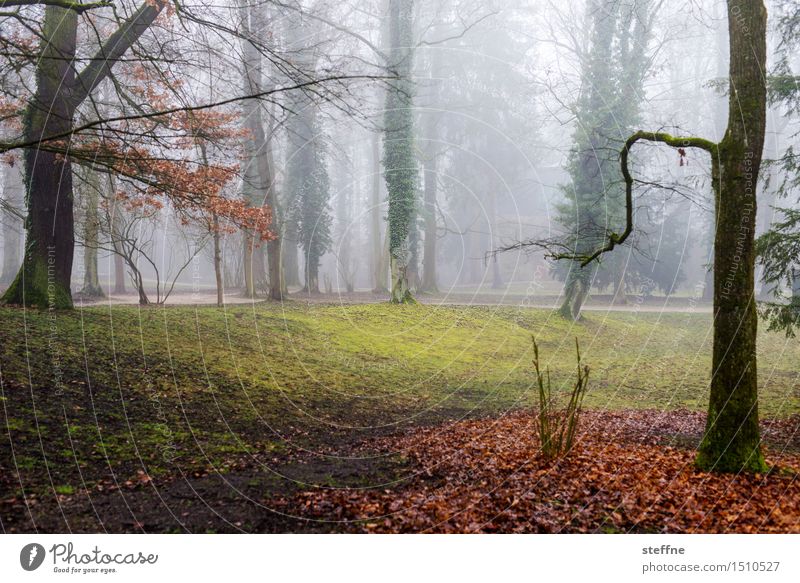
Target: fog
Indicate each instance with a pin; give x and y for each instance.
(518, 113)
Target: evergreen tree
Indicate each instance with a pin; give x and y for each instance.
(607, 109)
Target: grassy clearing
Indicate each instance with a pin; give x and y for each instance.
(106, 395)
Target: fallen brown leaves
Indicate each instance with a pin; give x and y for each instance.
(630, 471)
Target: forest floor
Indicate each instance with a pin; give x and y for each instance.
(310, 417)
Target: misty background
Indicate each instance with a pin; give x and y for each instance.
(519, 109)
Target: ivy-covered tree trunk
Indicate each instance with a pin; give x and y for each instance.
(399, 159)
(14, 197)
(732, 441)
(607, 108)
(588, 169)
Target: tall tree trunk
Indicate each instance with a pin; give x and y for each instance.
(732, 440)
(44, 279)
(379, 267)
(576, 290)
(430, 175)
(119, 260)
(218, 263)
(291, 262)
(13, 194)
(248, 258)
(399, 159)
(257, 180)
(119, 275)
(91, 228)
(429, 279)
(497, 278)
(277, 280)
(345, 263)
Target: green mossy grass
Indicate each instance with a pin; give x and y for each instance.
(171, 387)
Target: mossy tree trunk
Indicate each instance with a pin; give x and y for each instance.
(44, 278)
(46, 271)
(732, 441)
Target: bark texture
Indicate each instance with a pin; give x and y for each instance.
(732, 441)
(44, 277)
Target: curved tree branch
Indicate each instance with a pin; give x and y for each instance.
(553, 246)
(615, 239)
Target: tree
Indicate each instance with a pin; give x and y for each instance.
(779, 247)
(133, 236)
(731, 442)
(138, 138)
(307, 181)
(399, 161)
(378, 255)
(44, 278)
(664, 270)
(91, 228)
(12, 212)
(258, 182)
(613, 70)
(430, 160)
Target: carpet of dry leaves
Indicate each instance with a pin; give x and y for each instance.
(630, 471)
